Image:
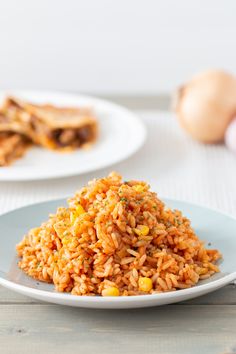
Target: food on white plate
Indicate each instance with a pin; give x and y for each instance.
(52, 127)
(116, 238)
(57, 128)
(12, 146)
(206, 105)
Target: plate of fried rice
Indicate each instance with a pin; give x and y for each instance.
(116, 244)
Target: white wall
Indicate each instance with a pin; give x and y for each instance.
(108, 46)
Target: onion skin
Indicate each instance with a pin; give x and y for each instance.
(230, 136)
(206, 105)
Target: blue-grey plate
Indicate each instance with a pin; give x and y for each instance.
(215, 228)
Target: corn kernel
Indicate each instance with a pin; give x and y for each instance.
(138, 188)
(80, 210)
(112, 291)
(66, 240)
(141, 230)
(145, 284)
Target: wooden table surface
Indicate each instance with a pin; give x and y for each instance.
(203, 325)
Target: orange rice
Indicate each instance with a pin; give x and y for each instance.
(116, 238)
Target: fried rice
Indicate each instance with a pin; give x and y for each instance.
(116, 238)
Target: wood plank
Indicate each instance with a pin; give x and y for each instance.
(224, 296)
(169, 329)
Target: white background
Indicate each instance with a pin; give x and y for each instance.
(105, 46)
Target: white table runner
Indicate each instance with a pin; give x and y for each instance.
(170, 161)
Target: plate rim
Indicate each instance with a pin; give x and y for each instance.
(142, 299)
(70, 173)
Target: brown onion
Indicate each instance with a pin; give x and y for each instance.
(206, 105)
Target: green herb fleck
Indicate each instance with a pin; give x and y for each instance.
(124, 200)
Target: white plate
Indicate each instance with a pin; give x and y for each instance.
(121, 135)
(211, 226)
